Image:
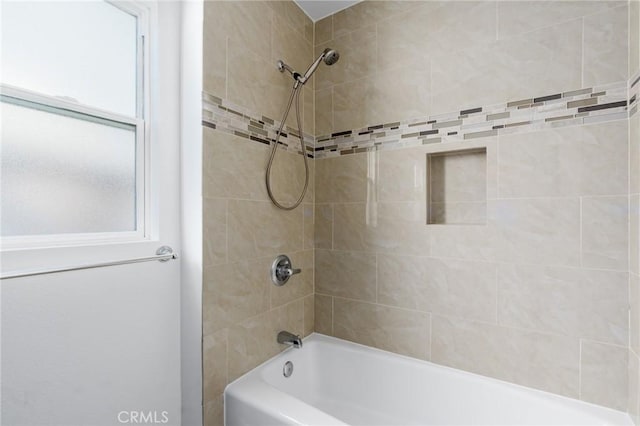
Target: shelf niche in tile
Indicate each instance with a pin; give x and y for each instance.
(457, 187)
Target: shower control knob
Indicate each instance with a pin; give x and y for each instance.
(281, 270)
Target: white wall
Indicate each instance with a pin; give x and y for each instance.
(80, 347)
(191, 225)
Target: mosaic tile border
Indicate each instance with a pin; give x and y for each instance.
(634, 94)
(226, 117)
(584, 106)
(615, 101)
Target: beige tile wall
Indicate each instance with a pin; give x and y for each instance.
(537, 296)
(401, 60)
(243, 232)
(519, 298)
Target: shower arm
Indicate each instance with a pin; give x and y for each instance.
(302, 79)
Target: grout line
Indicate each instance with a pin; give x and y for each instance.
(430, 336)
(497, 21)
(226, 235)
(226, 69)
(582, 55)
(580, 370)
(497, 294)
(332, 315)
(376, 277)
(475, 320)
(581, 222)
(333, 223)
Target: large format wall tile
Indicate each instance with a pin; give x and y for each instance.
(402, 175)
(295, 51)
(324, 30)
(634, 153)
(242, 230)
(214, 411)
(633, 403)
(381, 227)
(434, 29)
(556, 217)
(571, 301)
(214, 61)
(357, 52)
(346, 274)
(214, 366)
(254, 82)
(541, 231)
(291, 14)
(235, 292)
(309, 313)
(233, 167)
(400, 331)
(519, 17)
(543, 62)
(323, 314)
(634, 312)
(603, 375)
(634, 234)
(351, 101)
(543, 361)
(442, 286)
(254, 340)
(401, 92)
(582, 160)
(344, 179)
(476, 242)
(323, 226)
(634, 37)
(367, 12)
(249, 23)
(258, 228)
(214, 236)
(605, 233)
(324, 111)
(606, 54)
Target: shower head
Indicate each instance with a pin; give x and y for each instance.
(329, 56)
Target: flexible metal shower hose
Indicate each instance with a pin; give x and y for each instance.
(295, 92)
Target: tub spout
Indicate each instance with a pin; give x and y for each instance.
(286, 338)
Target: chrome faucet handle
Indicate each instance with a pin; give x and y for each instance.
(281, 270)
(291, 271)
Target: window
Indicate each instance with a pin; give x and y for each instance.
(73, 144)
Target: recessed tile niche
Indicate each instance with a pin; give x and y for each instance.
(457, 187)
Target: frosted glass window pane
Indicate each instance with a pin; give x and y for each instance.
(80, 50)
(62, 175)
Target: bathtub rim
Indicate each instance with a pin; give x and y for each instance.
(316, 337)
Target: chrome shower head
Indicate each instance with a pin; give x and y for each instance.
(330, 56)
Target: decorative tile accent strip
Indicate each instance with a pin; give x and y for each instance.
(616, 101)
(226, 117)
(589, 105)
(634, 93)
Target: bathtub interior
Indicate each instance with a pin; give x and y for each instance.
(364, 386)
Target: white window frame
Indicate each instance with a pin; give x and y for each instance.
(141, 122)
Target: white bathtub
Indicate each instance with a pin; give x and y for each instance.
(335, 382)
